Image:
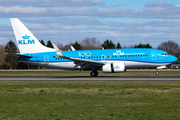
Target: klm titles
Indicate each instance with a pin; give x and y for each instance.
(26, 40)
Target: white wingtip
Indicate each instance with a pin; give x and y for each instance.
(59, 53)
(73, 49)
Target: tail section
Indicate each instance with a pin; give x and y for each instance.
(26, 41)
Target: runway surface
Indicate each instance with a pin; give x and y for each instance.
(85, 78)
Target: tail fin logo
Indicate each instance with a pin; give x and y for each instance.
(26, 40)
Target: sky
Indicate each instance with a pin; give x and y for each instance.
(128, 22)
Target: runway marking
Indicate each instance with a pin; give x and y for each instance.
(83, 78)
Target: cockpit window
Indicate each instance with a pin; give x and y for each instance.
(164, 54)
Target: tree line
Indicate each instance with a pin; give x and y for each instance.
(9, 61)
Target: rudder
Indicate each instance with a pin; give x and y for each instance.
(26, 41)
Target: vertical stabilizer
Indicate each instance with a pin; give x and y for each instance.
(26, 41)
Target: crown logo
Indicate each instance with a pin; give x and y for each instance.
(25, 37)
(116, 67)
(118, 51)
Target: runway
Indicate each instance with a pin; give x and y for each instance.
(85, 78)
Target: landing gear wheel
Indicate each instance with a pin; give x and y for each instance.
(157, 72)
(94, 73)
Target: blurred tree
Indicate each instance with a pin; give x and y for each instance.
(2, 56)
(77, 46)
(49, 44)
(11, 60)
(143, 46)
(90, 43)
(60, 45)
(172, 48)
(108, 44)
(148, 45)
(118, 45)
(42, 42)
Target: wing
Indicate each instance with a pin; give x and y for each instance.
(84, 63)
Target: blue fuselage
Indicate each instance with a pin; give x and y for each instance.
(132, 57)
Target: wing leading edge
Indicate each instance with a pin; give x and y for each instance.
(85, 64)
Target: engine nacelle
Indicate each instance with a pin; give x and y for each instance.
(114, 68)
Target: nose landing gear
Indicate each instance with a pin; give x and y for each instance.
(157, 72)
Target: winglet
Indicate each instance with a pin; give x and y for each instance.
(59, 53)
(73, 49)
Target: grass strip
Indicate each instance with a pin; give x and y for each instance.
(89, 100)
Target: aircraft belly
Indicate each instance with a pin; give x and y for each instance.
(55, 65)
(134, 64)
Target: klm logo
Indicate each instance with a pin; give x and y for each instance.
(117, 67)
(26, 40)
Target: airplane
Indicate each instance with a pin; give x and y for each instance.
(107, 60)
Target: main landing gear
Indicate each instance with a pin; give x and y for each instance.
(94, 73)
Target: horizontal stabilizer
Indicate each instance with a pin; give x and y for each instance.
(18, 54)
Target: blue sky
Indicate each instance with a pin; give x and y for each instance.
(129, 22)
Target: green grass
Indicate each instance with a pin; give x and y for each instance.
(86, 73)
(89, 100)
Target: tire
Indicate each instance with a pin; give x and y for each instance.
(157, 72)
(94, 73)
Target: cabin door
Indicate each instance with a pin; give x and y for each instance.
(46, 59)
(103, 57)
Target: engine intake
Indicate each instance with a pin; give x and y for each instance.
(114, 68)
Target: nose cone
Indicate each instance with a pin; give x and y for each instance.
(173, 58)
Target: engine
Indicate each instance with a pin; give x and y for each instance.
(114, 68)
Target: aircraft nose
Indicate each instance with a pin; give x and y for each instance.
(173, 59)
